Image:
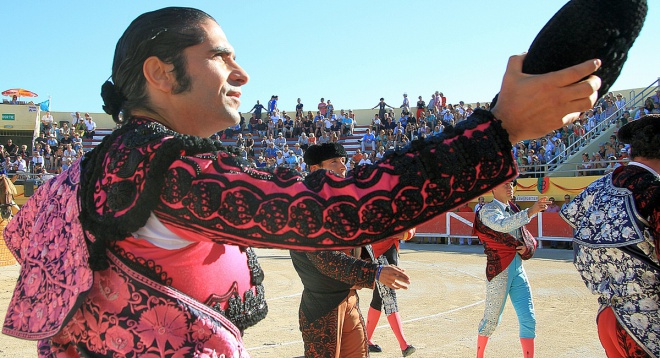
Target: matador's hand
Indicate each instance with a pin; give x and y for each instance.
(394, 277)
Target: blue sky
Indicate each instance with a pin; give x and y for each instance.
(352, 52)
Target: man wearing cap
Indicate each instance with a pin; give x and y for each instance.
(330, 319)
(280, 141)
(297, 150)
(617, 236)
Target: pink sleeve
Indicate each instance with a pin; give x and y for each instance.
(211, 197)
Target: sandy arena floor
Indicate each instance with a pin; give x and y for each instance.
(441, 309)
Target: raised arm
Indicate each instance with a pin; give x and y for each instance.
(213, 198)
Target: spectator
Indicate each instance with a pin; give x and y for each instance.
(46, 122)
(287, 127)
(261, 162)
(303, 141)
(552, 207)
(381, 152)
(624, 158)
(3, 153)
(272, 105)
(585, 166)
(23, 151)
(299, 109)
(249, 145)
(76, 141)
(291, 160)
(270, 151)
(322, 107)
(8, 166)
(11, 148)
(357, 157)
(421, 107)
(280, 141)
(612, 164)
(368, 139)
(52, 142)
(257, 108)
(376, 123)
(37, 159)
(65, 165)
(90, 126)
(69, 152)
(66, 139)
(325, 138)
(77, 122)
(366, 159)
(347, 124)
(598, 164)
(297, 150)
(41, 140)
(308, 123)
(242, 152)
(48, 157)
(381, 108)
(560, 150)
(279, 158)
(261, 128)
(329, 109)
(405, 106)
(480, 203)
(327, 124)
(267, 140)
(252, 123)
(567, 200)
(20, 165)
(620, 102)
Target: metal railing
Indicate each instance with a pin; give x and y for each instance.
(577, 142)
(542, 170)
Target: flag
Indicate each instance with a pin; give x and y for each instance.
(45, 105)
(543, 184)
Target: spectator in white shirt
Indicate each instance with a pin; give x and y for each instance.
(90, 126)
(46, 122)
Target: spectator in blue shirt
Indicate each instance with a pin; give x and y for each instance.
(369, 139)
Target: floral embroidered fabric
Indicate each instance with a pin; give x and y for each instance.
(604, 216)
(129, 315)
(616, 253)
(48, 241)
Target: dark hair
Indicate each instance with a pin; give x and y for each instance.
(163, 33)
(643, 135)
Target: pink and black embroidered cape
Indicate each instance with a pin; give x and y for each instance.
(134, 303)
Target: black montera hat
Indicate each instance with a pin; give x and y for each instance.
(316, 154)
(586, 29)
(643, 135)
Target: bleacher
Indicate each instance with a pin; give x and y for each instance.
(90, 143)
(349, 142)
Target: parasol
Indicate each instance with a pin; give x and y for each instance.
(19, 92)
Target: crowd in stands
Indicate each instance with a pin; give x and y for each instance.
(53, 151)
(276, 129)
(536, 156)
(283, 137)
